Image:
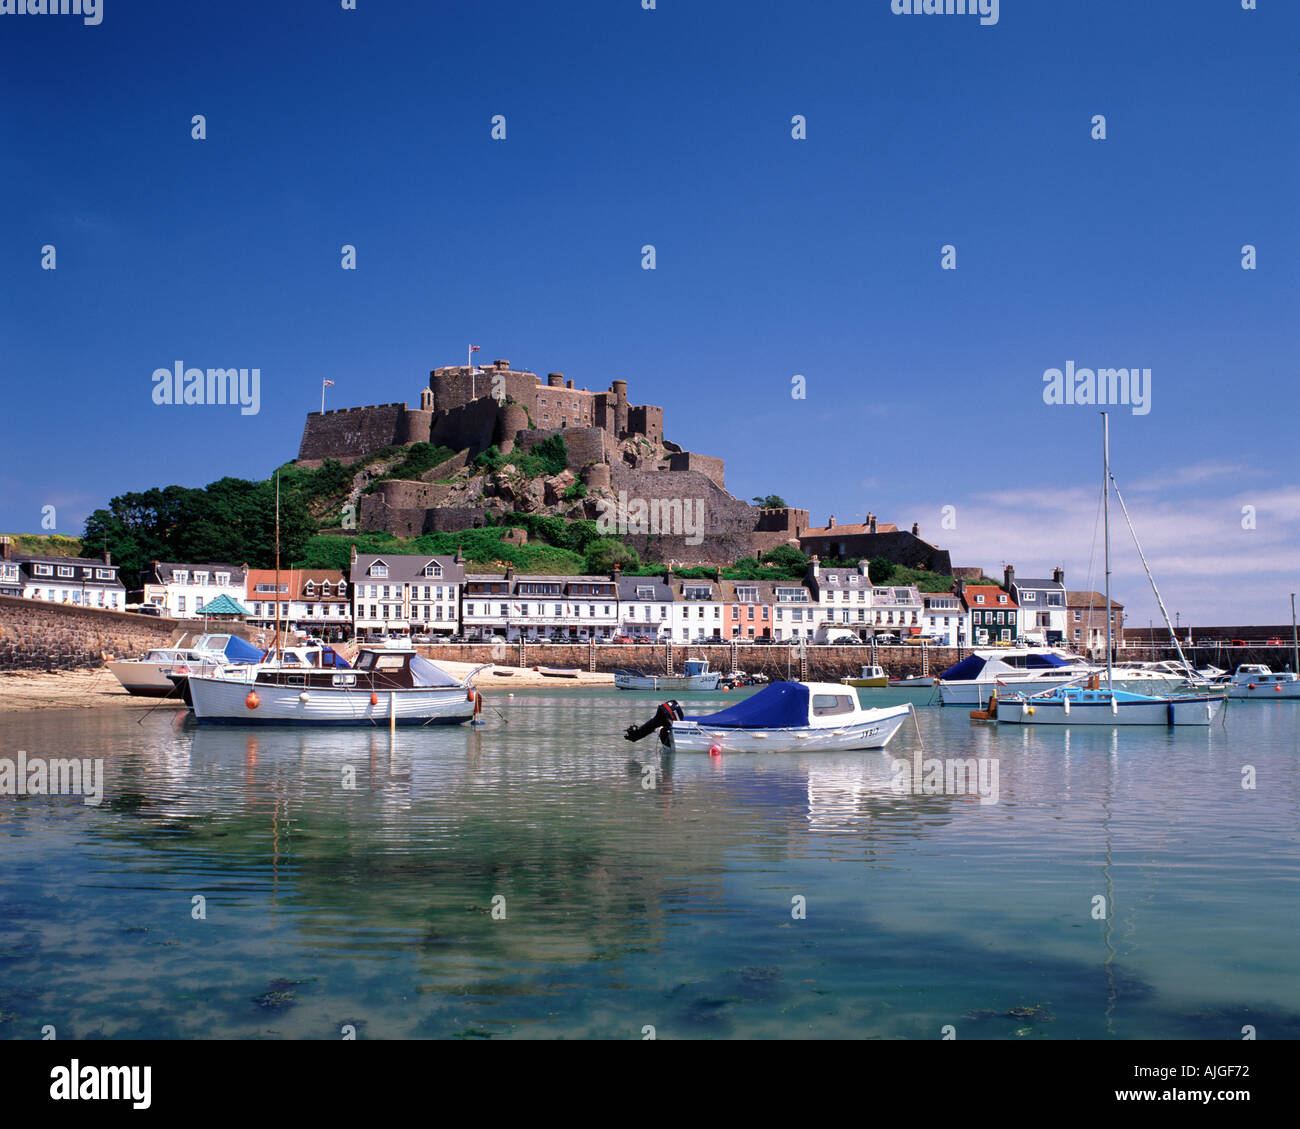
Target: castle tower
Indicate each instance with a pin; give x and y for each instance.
(619, 388)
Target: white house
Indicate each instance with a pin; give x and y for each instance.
(645, 607)
(1043, 613)
(942, 618)
(406, 593)
(181, 590)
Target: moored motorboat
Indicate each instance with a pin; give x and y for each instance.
(783, 717)
(1256, 681)
(695, 675)
(385, 686)
(151, 675)
(871, 675)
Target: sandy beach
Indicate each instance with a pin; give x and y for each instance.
(91, 689)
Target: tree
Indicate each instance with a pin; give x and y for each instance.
(880, 570)
(771, 502)
(606, 552)
(788, 559)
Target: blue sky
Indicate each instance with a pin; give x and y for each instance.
(775, 257)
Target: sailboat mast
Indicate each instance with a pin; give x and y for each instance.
(277, 565)
(1105, 456)
(1295, 639)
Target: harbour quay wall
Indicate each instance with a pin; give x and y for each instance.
(777, 661)
(38, 635)
(46, 636)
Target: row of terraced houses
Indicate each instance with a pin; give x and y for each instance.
(434, 596)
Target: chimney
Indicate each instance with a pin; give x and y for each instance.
(502, 365)
(872, 518)
(1058, 575)
(460, 554)
(961, 586)
(831, 523)
(916, 529)
(814, 567)
(1008, 577)
(108, 557)
(352, 559)
(555, 380)
(717, 573)
(6, 547)
(510, 572)
(668, 573)
(568, 384)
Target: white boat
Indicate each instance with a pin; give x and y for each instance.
(1010, 670)
(1254, 680)
(695, 676)
(151, 675)
(1104, 703)
(387, 685)
(784, 717)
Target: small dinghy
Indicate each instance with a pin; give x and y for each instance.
(783, 717)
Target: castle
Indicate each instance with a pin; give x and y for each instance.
(613, 447)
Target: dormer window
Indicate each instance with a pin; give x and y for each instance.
(1002, 599)
(979, 599)
(433, 570)
(181, 576)
(378, 569)
(66, 570)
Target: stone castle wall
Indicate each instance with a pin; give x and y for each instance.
(349, 434)
(728, 522)
(705, 464)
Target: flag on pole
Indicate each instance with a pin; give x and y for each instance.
(329, 384)
(473, 348)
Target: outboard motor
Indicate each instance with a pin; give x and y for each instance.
(665, 715)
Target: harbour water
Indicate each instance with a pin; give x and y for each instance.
(539, 877)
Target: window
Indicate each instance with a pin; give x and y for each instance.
(1002, 599)
(200, 578)
(1077, 617)
(180, 603)
(66, 570)
(181, 576)
(979, 599)
(377, 569)
(103, 574)
(747, 595)
(824, 705)
(434, 570)
(42, 570)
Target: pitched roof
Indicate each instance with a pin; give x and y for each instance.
(406, 566)
(224, 605)
(848, 530)
(990, 592)
(1085, 599)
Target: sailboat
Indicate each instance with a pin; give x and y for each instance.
(1094, 703)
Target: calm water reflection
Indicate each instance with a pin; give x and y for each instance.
(351, 877)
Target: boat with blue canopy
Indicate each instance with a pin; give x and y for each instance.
(783, 717)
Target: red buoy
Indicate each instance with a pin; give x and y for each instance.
(715, 750)
(252, 701)
(374, 698)
(469, 696)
